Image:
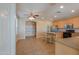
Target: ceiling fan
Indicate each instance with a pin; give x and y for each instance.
(33, 16)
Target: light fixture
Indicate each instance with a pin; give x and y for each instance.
(2, 15)
(61, 6)
(73, 11)
(31, 18)
(55, 16)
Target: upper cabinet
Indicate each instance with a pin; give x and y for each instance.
(62, 23)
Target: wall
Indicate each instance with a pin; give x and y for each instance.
(61, 23)
(21, 29)
(7, 29)
(42, 27)
(17, 25)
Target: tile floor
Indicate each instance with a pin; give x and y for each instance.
(33, 46)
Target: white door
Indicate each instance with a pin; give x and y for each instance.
(7, 26)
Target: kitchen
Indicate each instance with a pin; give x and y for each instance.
(66, 37)
(56, 26)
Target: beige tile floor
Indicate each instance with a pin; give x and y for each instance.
(33, 46)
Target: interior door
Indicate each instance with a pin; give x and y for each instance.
(7, 26)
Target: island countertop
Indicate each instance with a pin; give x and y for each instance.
(72, 42)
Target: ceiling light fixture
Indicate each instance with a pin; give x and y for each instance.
(31, 18)
(61, 6)
(55, 16)
(2, 15)
(73, 11)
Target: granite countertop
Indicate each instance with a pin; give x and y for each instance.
(72, 42)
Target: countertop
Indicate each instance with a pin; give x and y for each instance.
(72, 42)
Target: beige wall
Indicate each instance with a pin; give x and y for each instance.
(24, 28)
(42, 27)
(21, 29)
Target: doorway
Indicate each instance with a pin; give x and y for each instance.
(30, 29)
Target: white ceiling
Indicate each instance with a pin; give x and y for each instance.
(47, 10)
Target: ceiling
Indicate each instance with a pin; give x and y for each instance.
(47, 11)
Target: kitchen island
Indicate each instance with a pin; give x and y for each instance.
(51, 36)
(67, 46)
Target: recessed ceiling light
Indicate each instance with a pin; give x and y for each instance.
(2, 15)
(73, 10)
(55, 16)
(61, 6)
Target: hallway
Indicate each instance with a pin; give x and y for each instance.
(32, 46)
